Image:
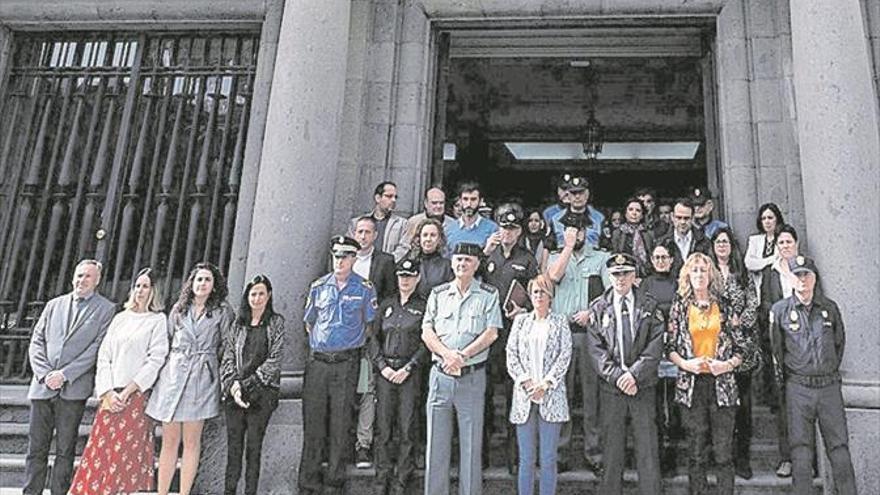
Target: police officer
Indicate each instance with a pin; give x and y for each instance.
(578, 194)
(396, 351)
(461, 322)
(581, 275)
(506, 261)
(626, 340)
(339, 306)
(807, 341)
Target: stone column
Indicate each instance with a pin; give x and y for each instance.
(839, 140)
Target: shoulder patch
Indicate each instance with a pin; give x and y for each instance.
(317, 282)
(441, 287)
(367, 283)
(488, 288)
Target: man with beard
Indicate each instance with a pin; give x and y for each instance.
(471, 227)
(581, 275)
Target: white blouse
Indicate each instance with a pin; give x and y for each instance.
(134, 349)
(537, 337)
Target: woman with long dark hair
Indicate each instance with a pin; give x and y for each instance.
(632, 237)
(739, 290)
(250, 376)
(188, 389)
(706, 342)
(118, 457)
(761, 249)
(534, 233)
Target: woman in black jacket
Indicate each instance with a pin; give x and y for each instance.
(250, 374)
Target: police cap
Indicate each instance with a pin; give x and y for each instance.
(700, 195)
(802, 264)
(468, 248)
(509, 215)
(577, 183)
(407, 267)
(341, 245)
(620, 263)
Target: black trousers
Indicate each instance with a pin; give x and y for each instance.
(742, 432)
(668, 421)
(641, 410)
(245, 429)
(61, 417)
(396, 407)
(703, 420)
(328, 398)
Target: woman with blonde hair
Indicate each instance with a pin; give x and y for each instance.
(118, 457)
(706, 342)
(538, 356)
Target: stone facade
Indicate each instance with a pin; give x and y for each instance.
(345, 98)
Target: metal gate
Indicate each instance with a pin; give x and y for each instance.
(125, 147)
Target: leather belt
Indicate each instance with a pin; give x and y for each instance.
(815, 381)
(464, 371)
(396, 363)
(335, 357)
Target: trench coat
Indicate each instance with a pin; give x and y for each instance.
(188, 388)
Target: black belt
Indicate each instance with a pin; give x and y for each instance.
(464, 371)
(397, 363)
(815, 381)
(336, 357)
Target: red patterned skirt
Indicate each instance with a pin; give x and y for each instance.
(118, 457)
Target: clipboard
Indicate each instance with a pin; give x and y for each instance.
(516, 294)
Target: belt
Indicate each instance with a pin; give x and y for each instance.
(397, 363)
(464, 371)
(188, 351)
(814, 381)
(337, 356)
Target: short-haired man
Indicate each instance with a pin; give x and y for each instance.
(703, 208)
(338, 309)
(578, 198)
(561, 199)
(581, 275)
(471, 227)
(378, 268)
(685, 238)
(63, 352)
(389, 227)
(807, 337)
(626, 341)
(506, 261)
(461, 322)
(435, 207)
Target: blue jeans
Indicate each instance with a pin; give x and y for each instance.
(533, 435)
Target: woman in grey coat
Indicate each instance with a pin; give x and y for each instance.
(188, 389)
(538, 356)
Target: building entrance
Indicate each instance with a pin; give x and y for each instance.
(515, 112)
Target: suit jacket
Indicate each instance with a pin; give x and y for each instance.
(382, 274)
(75, 352)
(557, 357)
(647, 347)
(391, 241)
(699, 243)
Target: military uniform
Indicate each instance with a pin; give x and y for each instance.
(458, 320)
(397, 343)
(807, 342)
(336, 318)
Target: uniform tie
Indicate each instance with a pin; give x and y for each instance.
(627, 330)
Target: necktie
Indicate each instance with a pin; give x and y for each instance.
(627, 330)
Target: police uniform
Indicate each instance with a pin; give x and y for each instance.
(594, 218)
(458, 320)
(500, 271)
(397, 343)
(808, 343)
(626, 335)
(336, 319)
(586, 277)
(700, 197)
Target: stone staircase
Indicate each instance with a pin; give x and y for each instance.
(281, 458)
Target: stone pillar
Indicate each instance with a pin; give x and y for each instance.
(839, 140)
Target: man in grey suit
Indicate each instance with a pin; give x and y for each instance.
(389, 227)
(63, 351)
(625, 339)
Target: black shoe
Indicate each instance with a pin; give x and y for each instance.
(744, 472)
(596, 468)
(362, 459)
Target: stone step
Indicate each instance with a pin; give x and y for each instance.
(12, 471)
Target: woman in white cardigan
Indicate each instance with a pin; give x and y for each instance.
(761, 250)
(118, 457)
(538, 355)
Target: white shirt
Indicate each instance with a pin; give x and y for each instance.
(683, 242)
(537, 338)
(618, 313)
(363, 262)
(785, 278)
(133, 350)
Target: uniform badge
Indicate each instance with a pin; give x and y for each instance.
(620, 259)
(576, 181)
(825, 314)
(511, 217)
(517, 267)
(794, 316)
(490, 267)
(800, 260)
(606, 321)
(389, 311)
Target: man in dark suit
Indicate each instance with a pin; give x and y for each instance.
(63, 351)
(625, 339)
(377, 267)
(685, 239)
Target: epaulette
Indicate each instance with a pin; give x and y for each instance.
(441, 287)
(488, 288)
(367, 283)
(318, 281)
